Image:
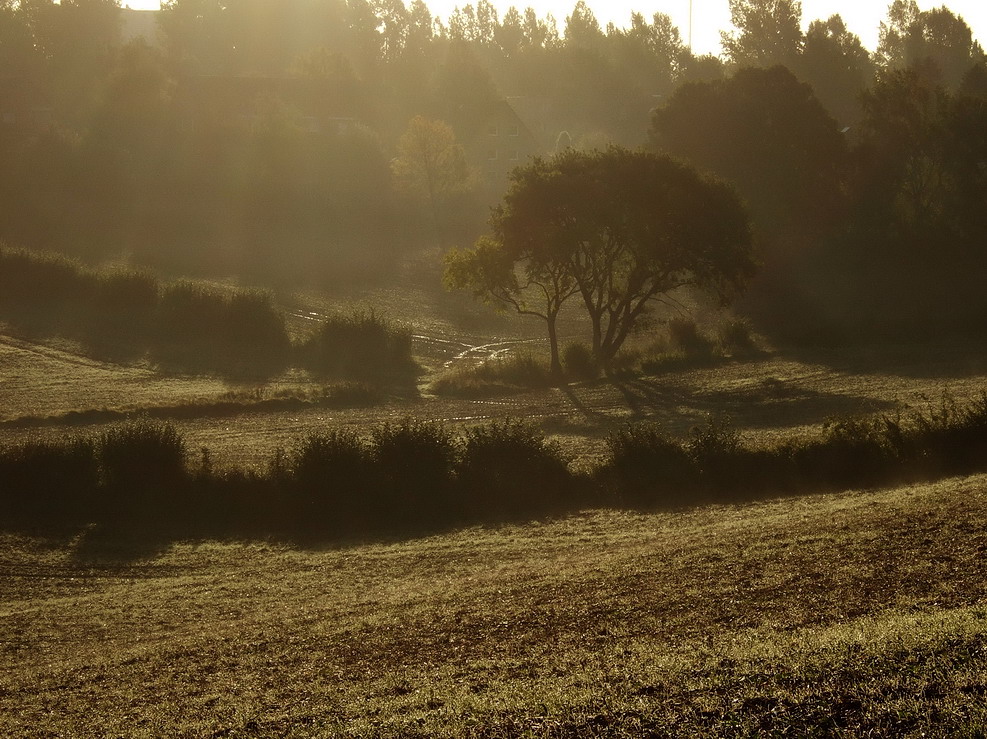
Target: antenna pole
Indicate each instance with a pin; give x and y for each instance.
(690, 25)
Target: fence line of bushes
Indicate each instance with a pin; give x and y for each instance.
(646, 467)
(417, 476)
(408, 476)
(185, 327)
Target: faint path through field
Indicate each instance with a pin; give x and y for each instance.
(450, 349)
(765, 395)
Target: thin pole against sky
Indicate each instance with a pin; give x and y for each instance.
(690, 25)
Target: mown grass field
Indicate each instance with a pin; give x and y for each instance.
(857, 614)
(47, 390)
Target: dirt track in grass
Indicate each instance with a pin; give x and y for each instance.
(49, 388)
(766, 396)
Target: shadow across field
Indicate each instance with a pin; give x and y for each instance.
(944, 361)
(337, 397)
(767, 404)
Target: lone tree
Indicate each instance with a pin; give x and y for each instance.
(619, 229)
(432, 166)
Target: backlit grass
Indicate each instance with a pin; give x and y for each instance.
(830, 615)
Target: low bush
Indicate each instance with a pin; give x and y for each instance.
(143, 470)
(684, 336)
(360, 346)
(736, 337)
(579, 362)
(685, 346)
(414, 462)
(239, 336)
(715, 449)
(188, 321)
(646, 467)
(119, 317)
(508, 470)
(500, 376)
(626, 363)
(850, 451)
(350, 395)
(331, 483)
(41, 294)
(254, 340)
(48, 480)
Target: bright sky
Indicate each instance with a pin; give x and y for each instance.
(709, 17)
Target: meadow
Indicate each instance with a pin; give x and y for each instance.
(861, 612)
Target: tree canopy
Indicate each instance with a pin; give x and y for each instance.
(767, 133)
(432, 167)
(768, 32)
(619, 229)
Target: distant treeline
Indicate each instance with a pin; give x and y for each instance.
(184, 327)
(264, 138)
(417, 476)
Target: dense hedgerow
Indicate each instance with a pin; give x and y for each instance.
(508, 470)
(416, 476)
(188, 328)
(136, 470)
(55, 482)
(120, 314)
(328, 483)
(414, 461)
(41, 293)
(199, 330)
(646, 467)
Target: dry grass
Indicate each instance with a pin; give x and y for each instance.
(767, 397)
(837, 615)
(44, 380)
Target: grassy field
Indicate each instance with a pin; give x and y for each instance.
(48, 390)
(863, 613)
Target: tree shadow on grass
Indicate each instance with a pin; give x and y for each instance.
(947, 360)
(118, 545)
(92, 549)
(766, 405)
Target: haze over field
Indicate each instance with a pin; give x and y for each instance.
(522, 375)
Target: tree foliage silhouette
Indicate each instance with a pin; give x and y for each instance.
(619, 229)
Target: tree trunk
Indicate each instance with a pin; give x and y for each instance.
(597, 336)
(553, 343)
(604, 358)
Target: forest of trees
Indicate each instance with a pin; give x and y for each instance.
(292, 139)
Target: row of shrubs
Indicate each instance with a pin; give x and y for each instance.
(184, 327)
(408, 476)
(647, 467)
(416, 476)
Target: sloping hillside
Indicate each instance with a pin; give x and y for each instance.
(857, 614)
(51, 390)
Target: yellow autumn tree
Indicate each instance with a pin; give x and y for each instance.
(431, 167)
